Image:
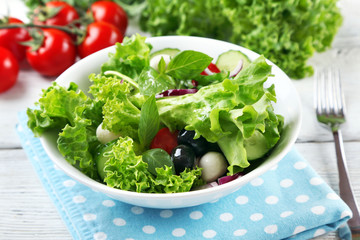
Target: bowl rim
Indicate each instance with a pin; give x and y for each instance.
(235, 184)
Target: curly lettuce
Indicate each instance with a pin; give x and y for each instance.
(286, 32)
(76, 116)
(127, 171)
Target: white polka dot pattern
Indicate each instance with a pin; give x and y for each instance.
(318, 210)
(271, 200)
(302, 198)
(148, 229)
(286, 214)
(69, 183)
(271, 229)
(240, 232)
(256, 217)
(196, 215)
(108, 203)
(242, 200)
(79, 199)
(137, 210)
(285, 183)
(299, 229)
(178, 232)
(166, 213)
(209, 234)
(89, 217)
(100, 236)
(316, 181)
(226, 217)
(300, 165)
(257, 182)
(119, 222)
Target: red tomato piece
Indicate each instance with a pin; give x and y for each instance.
(55, 55)
(66, 14)
(9, 69)
(11, 38)
(212, 68)
(99, 35)
(110, 12)
(165, 140)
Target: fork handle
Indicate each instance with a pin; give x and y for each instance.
(345, 189)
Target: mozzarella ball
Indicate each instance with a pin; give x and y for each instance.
(104, 135)
(154, 62)
(214, 165)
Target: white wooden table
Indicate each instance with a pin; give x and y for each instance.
(26, 211)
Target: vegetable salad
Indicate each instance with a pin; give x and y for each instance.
(173, 125)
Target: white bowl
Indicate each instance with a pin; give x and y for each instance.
(288, 105)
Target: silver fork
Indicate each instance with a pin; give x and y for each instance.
(330, 110)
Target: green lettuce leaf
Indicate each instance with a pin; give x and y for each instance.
(56, 107)
(286, 32)
(167, 182)
(228, 112)
(127, 171)
(130, 58)
(76, 117)
(77, 143)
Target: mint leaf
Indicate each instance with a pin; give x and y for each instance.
(149, 121)
(162, 65)
(188, 64)
(152, 82)
(157, 158)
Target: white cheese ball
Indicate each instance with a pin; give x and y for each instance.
(154, 62)
(214, 165)
(104, 135)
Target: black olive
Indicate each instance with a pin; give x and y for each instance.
(183, 157)
(199, 145)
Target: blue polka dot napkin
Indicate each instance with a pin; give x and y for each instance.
(289, 201)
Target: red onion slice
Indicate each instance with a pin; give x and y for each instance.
(176, 92)
(227, 179)
(237, 69)
(208, 185)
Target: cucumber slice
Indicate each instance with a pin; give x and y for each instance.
(229, 60)
(168, 51)
(101, 158)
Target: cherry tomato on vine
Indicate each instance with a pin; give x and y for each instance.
(9, 69)
(110, 12)
(165, 140)
(11, 38)
(56, 53)
(99, 35)
(62, 17)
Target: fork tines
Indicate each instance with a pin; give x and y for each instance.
(329, 98)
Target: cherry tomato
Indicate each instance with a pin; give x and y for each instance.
(212, 68)
(9, 69)
(99, 35)
(110, 12)
(55, 55)
(11, 38)
(165, 140)
(66, 14)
